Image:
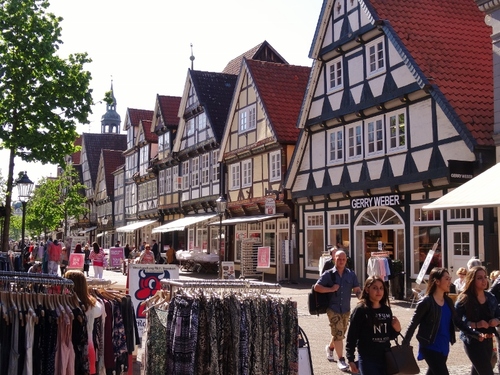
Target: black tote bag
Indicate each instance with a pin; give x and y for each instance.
(400, 359)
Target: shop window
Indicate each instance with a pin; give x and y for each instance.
(460, 214)
(270, 238)
(201, 238)
(339, 231)
(315, 237)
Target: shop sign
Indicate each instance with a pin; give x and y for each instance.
(461, 171)
(376, 201)
(270, 206)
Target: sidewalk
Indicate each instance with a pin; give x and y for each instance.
(316, 328)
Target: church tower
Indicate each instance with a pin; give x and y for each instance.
(110, 121)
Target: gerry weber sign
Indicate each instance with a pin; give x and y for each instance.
(381, 200)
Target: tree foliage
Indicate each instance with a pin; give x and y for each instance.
(42, 95)
(54, 201)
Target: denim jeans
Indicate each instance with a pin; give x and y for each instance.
(372, 366)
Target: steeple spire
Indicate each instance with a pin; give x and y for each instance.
(192, 57)
(110, 121)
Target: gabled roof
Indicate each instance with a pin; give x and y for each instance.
(169, 109)
(149, 136)
(263, 51)
(95, 142)
(134, 116)
(451, 44)
(215, 92)
(281, 88)
(112, 159)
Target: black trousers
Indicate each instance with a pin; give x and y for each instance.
(436, 362)
(479, 353)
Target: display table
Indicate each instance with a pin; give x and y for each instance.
(197, 261)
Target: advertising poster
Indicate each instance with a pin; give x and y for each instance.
(263, 257)
(76, 261)
(143, 282)
(228, 270)
(115, 257)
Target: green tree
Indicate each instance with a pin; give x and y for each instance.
(42, 96)
(16, 227)
(54, 201)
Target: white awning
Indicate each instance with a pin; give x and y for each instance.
(482, 191)
(87, 230)
(181, 224)
(100, 234)
(248, 219)
(134, 226)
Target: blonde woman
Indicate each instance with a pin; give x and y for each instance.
(460, 282)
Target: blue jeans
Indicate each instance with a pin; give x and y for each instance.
(372, 366)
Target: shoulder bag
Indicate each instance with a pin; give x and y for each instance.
(400, 359)
(317, 303)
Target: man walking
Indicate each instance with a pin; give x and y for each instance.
(341, 282)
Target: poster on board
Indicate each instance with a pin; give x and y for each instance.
(426, 263)
(116, 257)
(76, 261)
(143, 282)
(263, 258)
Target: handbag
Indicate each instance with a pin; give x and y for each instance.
(400, 359)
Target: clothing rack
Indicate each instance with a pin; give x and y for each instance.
(99, 283)
(41, 278)
(220, 284)
(380, 254)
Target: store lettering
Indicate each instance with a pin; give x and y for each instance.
(383, 200)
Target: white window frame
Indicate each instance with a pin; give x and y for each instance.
(205, 169)
(336, 148)
(374, 130)
(144, 157)
(375, 57)
(460, 214)
(195, 172)
(313, 222)
(247, 118)
(396, 131)
(215, 165)
(168, 181)
(161, 182)
(235, 176)
(275, 166)
(185, 175)
(354, 142)
(175, 178)
(246, 173)
(335, 75)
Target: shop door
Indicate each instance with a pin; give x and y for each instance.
(460, 249)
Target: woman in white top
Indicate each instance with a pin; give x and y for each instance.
(460, 282)
(93, 310)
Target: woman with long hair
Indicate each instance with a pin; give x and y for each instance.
(97, 257)
(92, 308)
(371, 328)
(435, 316)
(478, 309)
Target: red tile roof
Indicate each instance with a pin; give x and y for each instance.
(136, 115)
(148, 134)
(169, 108)
(113, 159)
(451, 44)
(263, 51)
(281, 88)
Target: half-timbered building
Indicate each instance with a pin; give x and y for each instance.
(258, 142)
(398, 111)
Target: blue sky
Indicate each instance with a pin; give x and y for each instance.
(145, 46)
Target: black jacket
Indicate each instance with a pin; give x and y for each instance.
(427, 317)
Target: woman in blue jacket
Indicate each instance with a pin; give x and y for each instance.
(479, 310)
(436, 318)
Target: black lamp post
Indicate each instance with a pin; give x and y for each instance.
(24, 189)
(221, 209)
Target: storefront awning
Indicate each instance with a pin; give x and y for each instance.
(100, 234)
(482, 191)
(181, 224)
(134, 226)
(248, 219)
(87, 230)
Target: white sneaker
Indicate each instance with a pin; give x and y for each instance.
(342, 365)
(329, 353)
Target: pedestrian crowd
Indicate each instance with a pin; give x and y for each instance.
(370, 327)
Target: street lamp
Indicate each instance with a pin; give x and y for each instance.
(221, 209)
(24, 189)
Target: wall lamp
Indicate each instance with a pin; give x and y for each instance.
(270, 191)
(427, 184)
